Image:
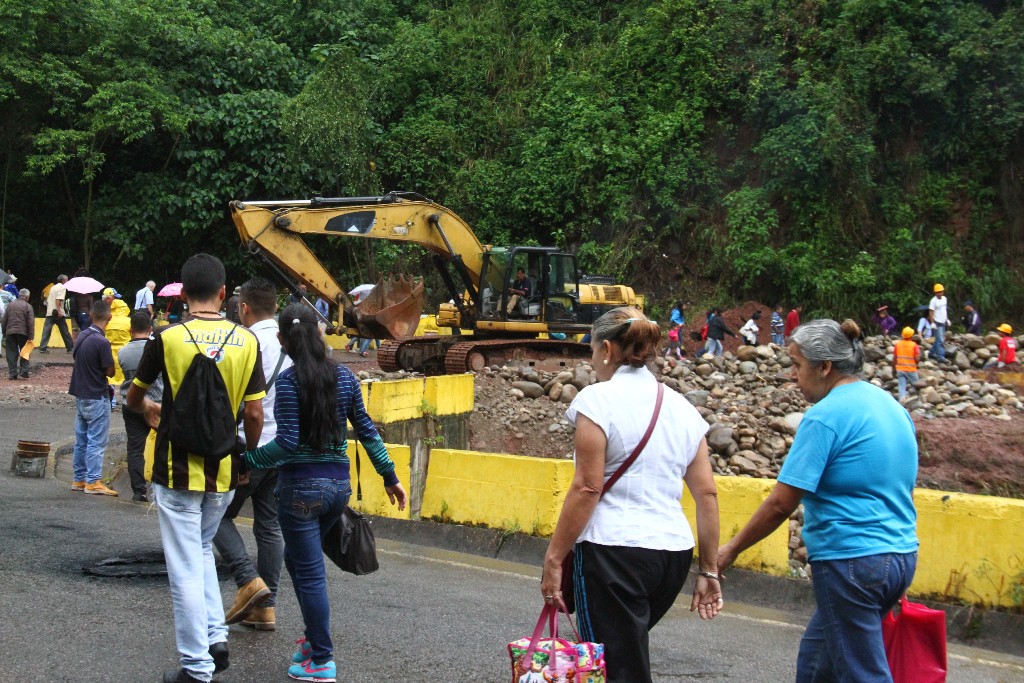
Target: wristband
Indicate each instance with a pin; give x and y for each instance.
(709, 575)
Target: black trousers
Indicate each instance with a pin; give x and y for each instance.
(137, 430)
(621, 593)
(14, 342)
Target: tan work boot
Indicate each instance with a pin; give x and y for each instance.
(249, 597)
(99, 488)
(261, 619)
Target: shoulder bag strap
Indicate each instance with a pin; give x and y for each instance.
(277, 369)
(640, 446)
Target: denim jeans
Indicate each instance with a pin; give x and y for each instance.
(306, 509)
(188, 521)
(266, 529)
(714, 347)
(939, 347)
(779, 339)
(62, 325)
(92, 431)
(903, 378)
(843, 640)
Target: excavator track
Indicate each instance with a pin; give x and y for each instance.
(454, 355)
(545, 354)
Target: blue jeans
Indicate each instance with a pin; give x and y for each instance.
(306, 509)
(188, 522)
(939, 347)
(902, 378)
(779, 339)
(714, 347)
(843, 641)
(92, 431)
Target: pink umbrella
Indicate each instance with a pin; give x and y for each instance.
(83, 285)
(173, 289)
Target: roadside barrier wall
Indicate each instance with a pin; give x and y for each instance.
(971, 546)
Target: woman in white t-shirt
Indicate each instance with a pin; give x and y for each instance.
(633, 545)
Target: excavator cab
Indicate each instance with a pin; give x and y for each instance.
(550, 279)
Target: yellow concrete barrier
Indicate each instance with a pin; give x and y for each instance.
(499, 491)
(375, 499)
(738, 497)
(971, 548)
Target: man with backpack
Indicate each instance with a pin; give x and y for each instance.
(212, 368)
(257, 584)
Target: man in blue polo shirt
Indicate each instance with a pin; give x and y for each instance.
(94, 363)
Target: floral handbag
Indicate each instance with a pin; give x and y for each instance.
(553, 659)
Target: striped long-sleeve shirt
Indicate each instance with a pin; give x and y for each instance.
(288, 452)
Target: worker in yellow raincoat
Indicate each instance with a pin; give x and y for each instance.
(118, 333)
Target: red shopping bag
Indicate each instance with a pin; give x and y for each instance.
(915, 643)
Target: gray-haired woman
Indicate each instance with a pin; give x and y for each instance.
(853, 463)
(633, 544)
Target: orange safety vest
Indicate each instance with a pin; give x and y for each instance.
(906, 356)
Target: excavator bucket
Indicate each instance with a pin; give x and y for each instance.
(391, 311)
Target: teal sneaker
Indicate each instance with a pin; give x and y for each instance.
(304, 652)
(319, 673)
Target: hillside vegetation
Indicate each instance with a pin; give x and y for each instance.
(835, 153)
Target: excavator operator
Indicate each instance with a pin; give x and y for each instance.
(520, 291)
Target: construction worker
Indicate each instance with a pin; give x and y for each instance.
(905, 357)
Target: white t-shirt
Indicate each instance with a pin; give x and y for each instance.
(643, 509)
(143, 298)
(749, 332)
(270, 351)
(57, 293)
(938, 307)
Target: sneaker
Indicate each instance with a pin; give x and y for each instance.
(305, 651)
(365, 354)
(261, 619)
(101, 489)
(219, 652)
(249, 597)
(43, 350)
(78, 486)
(320, 673)
(140, 498)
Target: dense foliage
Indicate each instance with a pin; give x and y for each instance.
(836, 153)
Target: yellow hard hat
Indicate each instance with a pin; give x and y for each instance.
(938, 288)
(1005, 329)
(908, 332)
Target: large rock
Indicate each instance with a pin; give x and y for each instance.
(872, 353)
(748, 367)
(704, 370)
(765, 352)
(961, 360)
(720, 440)
(973, 341)
(742, 464)
(794, 420)
(581, 378)
(555, 391)
(746, 353)
(992, 339)
(529, 389)
(698, 398)
(568, 393)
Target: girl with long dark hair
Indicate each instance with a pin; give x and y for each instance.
(314, 399)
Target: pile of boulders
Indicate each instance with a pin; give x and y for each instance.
(752, 403)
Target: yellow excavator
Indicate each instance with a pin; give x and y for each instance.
(481, 281)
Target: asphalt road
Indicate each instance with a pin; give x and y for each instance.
(427, 615)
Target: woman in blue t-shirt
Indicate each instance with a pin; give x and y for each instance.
(853, 464)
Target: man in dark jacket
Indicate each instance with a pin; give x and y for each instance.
(19, 325)
(972, 319)
(717, 330)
